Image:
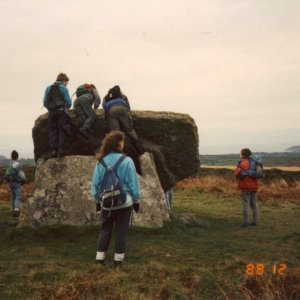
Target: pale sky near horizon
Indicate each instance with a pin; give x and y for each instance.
(233, 65)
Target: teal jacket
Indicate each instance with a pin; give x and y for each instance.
(127, 175)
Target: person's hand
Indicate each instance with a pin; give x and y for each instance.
(136, 207)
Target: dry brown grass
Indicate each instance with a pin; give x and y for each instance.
(281, 288)
(97, 284)
(103, 283)
(5, 191)
(277, 189)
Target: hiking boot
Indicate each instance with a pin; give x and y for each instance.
(245, 224)
(49, 155)
(62, 153)
(118, 264)
(16, 212)
(100, 262)
(253, 223)
(53, 154)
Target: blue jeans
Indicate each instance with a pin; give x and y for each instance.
(169, 198)
(15, 194)
(249, 199)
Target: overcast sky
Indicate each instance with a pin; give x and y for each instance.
(232, 65)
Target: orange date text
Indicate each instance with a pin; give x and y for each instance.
(260, 269)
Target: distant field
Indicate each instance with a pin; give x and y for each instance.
(284, 159)
(232, 167)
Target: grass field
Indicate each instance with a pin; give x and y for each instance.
(202, 254)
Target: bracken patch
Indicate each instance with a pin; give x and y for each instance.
(277, 189)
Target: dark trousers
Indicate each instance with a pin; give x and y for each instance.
(85, 114)
(57, 121)
(120, 218)
(120, 118)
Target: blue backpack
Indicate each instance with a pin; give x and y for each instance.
(256, 169)
(257, 166)
(111, 190)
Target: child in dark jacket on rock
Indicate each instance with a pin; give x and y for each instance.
(249, 186)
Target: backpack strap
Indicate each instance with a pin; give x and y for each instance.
(103, 163)
(116, 165)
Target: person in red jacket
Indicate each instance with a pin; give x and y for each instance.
(249, 186)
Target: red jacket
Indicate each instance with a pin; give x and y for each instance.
(245, 183)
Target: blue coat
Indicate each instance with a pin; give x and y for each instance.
(118, 101)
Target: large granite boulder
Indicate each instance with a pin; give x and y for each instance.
(62, 195)
(172, 138)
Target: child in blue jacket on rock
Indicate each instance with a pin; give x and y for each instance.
(57, 100)
(118, 216)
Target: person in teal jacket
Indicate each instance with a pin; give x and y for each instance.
(57, 100)
(118, 216)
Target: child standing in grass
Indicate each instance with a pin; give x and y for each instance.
(117, 216)
(248, 185)
(15, 176)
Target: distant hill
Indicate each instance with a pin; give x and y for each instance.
(286, 159)
(24, 162)
(295, 149)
